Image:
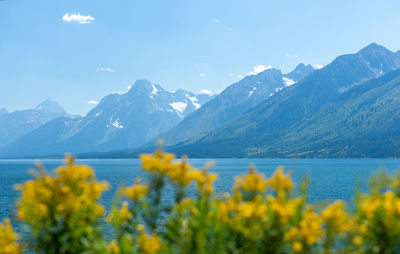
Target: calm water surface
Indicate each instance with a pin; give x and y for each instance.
(331, 178)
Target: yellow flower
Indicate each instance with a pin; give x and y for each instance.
(252, 209)
(119, 216)
(253, 181)
(113, 247)
(297, 246)
(136, 192)
(149, 244)
(204, 180)
(180, 172)
(159, 162)
(124, 213)
(280, 182)
(309, 230)
(284, 209)
(140, 227)
(310, 226)
(9, 239)
(369, 206)
(335, 218)
(69, 197)
(357, 240)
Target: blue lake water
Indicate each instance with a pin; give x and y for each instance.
(331, 179)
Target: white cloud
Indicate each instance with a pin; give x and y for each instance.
(259, 68)
(231, 74)
(318, 66)
(240, 76)
(92, 102)
(288, 55)
(106, 69)
(215, 20)
(202, 75)
(77, 18)
(206, 91)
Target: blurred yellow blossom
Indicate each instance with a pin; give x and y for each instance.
(335, 218)
(149, 244)
(280, 182)
(136, 192)
(253, 181)
(204, 180)
(159, 162)
(9, 239)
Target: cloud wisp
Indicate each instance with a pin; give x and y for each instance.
(289, 55)
(77, 18)
(206, 91)
(92, 102)
(104, 69)
(259, 68)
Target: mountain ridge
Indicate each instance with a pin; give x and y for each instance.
(120, 120)
(20, 122)
(232, 102)
(275, 116)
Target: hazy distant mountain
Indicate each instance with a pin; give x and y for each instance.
(118, 121)
(16, 124)
(51, 107)
(250, 133)
(3, 111)
(232, 102)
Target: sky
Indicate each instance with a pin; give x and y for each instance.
(78, 51)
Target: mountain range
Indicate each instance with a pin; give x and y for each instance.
(119, 121)
(234, 101)
(346, 109)
(304, 119)
(18, 123)
(272, 128)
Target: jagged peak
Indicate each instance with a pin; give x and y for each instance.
(144, 85)
(373, 47)
(49, 105)
(302, 66)
(300, 72)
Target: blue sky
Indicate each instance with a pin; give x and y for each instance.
(186, 44)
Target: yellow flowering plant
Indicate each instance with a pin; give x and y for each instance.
(9, 239)
(60, 212)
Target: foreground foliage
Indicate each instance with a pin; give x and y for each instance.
(60, 213)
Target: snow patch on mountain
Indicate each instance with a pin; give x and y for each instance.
(179, 107)
(117, 124)
(194, 101)
(155, 90)
(252, 91)
(288, 81)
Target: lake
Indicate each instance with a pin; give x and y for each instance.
(331, 179)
